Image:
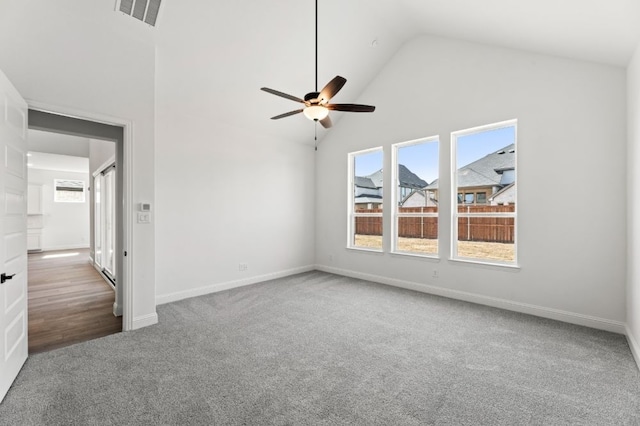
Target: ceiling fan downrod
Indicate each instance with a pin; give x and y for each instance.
(315, 105)
(316, 45)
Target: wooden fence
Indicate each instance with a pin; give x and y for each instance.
(368, 225)
(485, 229)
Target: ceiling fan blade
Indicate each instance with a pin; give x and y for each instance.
(287, 114)
(332, 87)
(326, 122)
(281, 94)
(351, 107)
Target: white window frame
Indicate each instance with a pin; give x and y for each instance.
(454, 196)
(395, 214)
(351, 215)
(55, 191)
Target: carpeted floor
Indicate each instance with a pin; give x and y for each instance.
(317, 348)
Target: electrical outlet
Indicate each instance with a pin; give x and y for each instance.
(330, 258)
(435, 274)
(242, 267)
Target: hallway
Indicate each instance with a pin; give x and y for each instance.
(69, 302)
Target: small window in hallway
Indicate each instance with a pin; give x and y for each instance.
(68, 191)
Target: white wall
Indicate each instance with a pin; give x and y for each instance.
(56, 143)
(571, 171)
(83, 56)
(633, 211)
(100, 152)
(225, 193)
(65, 225)
(226, 196)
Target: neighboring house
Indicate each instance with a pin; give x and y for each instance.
(420, 198)
(368, 189)
(506, 195)
(409, 183)
(413, 192)
(367, 193)
(490, 179)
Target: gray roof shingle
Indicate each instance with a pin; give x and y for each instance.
(376, 178)
(364, 182)
(409, 179)
(484, 171)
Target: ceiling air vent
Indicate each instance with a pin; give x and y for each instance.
(143, 10)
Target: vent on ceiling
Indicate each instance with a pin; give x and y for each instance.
(143, 10)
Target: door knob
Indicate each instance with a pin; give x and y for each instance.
(5, 277)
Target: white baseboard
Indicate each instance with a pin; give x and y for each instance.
(144, 321)
(214, 288)
(117, 309)
(525, 308)
(633, 344)
(70, 247)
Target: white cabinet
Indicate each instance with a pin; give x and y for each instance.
(34, 199)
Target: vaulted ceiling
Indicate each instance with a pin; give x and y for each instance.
(215, 55)
(234, 48)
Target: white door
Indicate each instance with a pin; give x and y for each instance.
(13, 234)
(97, 220)
(109, 215)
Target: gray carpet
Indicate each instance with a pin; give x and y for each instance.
(317, 348)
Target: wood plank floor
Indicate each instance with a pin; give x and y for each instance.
(69, 301)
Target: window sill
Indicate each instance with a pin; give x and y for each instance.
(431, 257)
(496, 265)
(366, 250)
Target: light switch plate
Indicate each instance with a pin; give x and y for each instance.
(144, 217)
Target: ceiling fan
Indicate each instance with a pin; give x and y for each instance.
(316, 104)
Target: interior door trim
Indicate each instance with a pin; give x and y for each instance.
(125, 265)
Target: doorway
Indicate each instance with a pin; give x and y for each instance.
(69, 301)
(104, 253)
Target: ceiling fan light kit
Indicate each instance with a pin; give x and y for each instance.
(316, 104)
(315, 112)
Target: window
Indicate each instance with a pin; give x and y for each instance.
(472, 197)
(484, 179)
(68, 191)
(468, 198)
(365, 200)
(415, 201)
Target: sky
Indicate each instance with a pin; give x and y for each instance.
(422, 159)
(478, 145)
